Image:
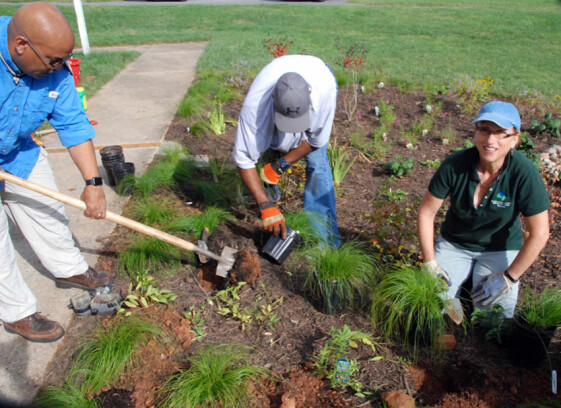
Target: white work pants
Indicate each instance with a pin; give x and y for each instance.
(42, 220)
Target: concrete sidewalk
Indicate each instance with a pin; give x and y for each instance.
(133, 110)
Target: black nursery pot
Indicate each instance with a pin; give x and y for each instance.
(527, 347)
(111, 155)
(121, 170)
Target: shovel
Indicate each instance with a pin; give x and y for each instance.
(453, 308)
(225, 260)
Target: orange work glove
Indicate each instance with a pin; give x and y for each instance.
(273, 221)
(269, 175)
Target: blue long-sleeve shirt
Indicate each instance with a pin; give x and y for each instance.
(26, 103)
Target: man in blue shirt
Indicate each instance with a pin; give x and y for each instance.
(35, 85)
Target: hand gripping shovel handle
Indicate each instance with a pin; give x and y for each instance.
(116, 218)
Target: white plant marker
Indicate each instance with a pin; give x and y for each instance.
(554, 382)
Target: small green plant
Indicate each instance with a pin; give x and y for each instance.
(144, 293)
(337, 347)
(548, 125)
(340, 162)
(217, 168)
(399, 167)
(217, 120)
(526, 146)
(393, 228)
(448, 135)
(492, 321)
(263, 311)
(407, 306)
(197, 322)
(218, 376)
(105, 356)
(541, 311)
(339, 277)
(431, 163)
(393, 195)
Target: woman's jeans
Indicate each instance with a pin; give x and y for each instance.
(460, 264)
(319, 196)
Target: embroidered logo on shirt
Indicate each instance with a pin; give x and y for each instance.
(501, 200)
(53, 94)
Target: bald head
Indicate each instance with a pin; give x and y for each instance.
(45, 25)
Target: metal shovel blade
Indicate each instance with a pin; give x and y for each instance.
(226, 264)
(453, 308)
(202, 244)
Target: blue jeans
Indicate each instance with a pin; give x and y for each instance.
(319, 195)
(460, 264)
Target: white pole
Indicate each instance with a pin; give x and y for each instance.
(82, 26)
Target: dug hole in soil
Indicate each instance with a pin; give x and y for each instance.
(476, 373)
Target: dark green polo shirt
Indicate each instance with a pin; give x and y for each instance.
(495, 224)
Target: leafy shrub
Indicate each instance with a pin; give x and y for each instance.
(548, 125)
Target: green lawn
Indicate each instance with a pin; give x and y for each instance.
(517, 43)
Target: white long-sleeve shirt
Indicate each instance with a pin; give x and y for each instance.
(256, 125)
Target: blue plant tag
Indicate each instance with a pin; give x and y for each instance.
(342, 370)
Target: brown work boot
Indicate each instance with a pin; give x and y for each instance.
(88, 280)
(36, 328)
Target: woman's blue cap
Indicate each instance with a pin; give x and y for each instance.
(503, 114)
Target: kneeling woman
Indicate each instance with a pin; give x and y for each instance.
(490, 186)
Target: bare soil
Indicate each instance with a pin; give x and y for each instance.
(476, 373)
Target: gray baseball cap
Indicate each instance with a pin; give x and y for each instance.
(292, 103)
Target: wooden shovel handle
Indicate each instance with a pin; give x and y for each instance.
(111, 216)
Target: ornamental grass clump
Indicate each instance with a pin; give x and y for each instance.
(218, 376)
(339, 278)
(215, 183)
(160, 174)
(194, 224)
(151, 255)
(66, 396)
(152, 211)
(407, 306)
(304, 222)
(105, 356)
(541, 311)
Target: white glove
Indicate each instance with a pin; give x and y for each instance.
(491, 288)
(436, 271)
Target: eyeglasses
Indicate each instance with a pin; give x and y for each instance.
(499, 134)
(54, 64)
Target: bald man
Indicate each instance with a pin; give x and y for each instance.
(36, 85)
